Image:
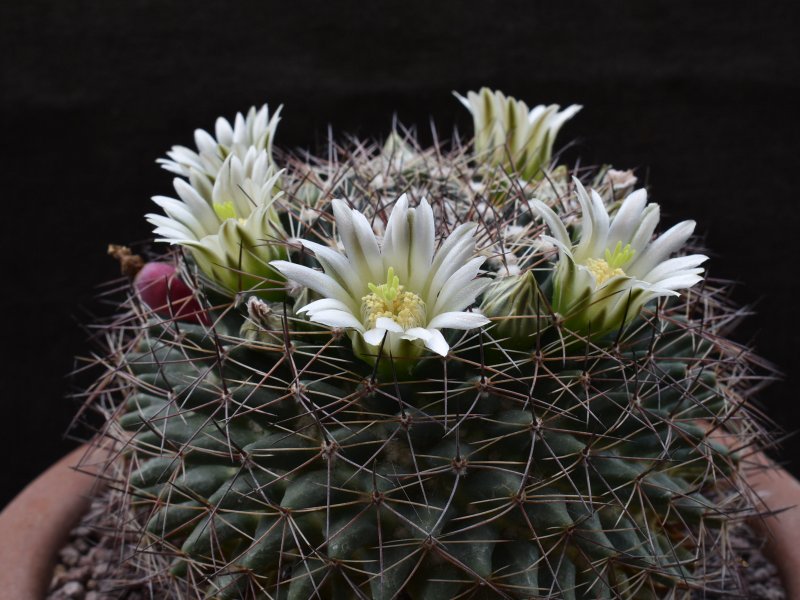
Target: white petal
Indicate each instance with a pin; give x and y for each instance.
(170, 236)
(669, 242)
(369, 245)
(374, 337)
(200, 183)
(341, 268)
(644, 232)
(679, 282)
(456, 283)
(564, 251)
(451, 256)
(461, 297)
(315, 280)
(388, 324)
(627, 219)
(538, 111)
(171, 166)
(197, 204)
(359, 242)
(673, 266)
(204, 141)
(523, 129)
(223, 131)
(177, 230)
(396, 241)
(437, 343)
(416, 333)
(459, 236)
(463, 100)
(166, 236)
(423, 238)
(559, 119)
(178, 211)
(228, 186)
(211, 248)
(324, 304)
(586, 242)
(553, 222)
(239, 129)
(601, 224)
(458, 320)
(337, 318)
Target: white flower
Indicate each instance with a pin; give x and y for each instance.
(256, 130)
(509, 133)
(404, 288)
(615, 268)
(232, 230)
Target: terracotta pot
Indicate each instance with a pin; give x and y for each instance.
(779, 492)
(35, 526)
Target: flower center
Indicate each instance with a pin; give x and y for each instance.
(390, 300)
(611, 265)
(226, 210)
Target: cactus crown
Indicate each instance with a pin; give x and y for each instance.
(562, 439)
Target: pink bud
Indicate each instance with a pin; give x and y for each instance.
(160, 287)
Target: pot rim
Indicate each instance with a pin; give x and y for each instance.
(35, 525)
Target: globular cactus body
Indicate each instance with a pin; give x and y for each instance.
(270, 457)
(581, 482)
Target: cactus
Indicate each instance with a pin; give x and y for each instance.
(267, 454)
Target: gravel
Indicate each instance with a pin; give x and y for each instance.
(756, 579)
(92, 567)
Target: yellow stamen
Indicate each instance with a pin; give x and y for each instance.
(602, 271)
(611, 266)
(390, 300)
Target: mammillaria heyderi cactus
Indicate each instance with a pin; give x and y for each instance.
(426, 373)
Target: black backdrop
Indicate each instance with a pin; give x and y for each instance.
(702, 100)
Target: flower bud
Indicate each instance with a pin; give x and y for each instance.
(515, 304)
(264, 321)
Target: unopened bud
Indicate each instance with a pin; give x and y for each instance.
(515, 304)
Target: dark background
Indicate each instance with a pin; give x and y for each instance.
(702, 99)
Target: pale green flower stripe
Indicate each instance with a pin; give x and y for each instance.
(403, 288)
(616, 267)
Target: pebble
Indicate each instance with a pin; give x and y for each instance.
(89, 566)
(74, 589)
(70, 555)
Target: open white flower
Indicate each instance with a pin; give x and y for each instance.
(616, 267)
(233, 230)
(509, 133)
(403, 289)
(255, 130)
